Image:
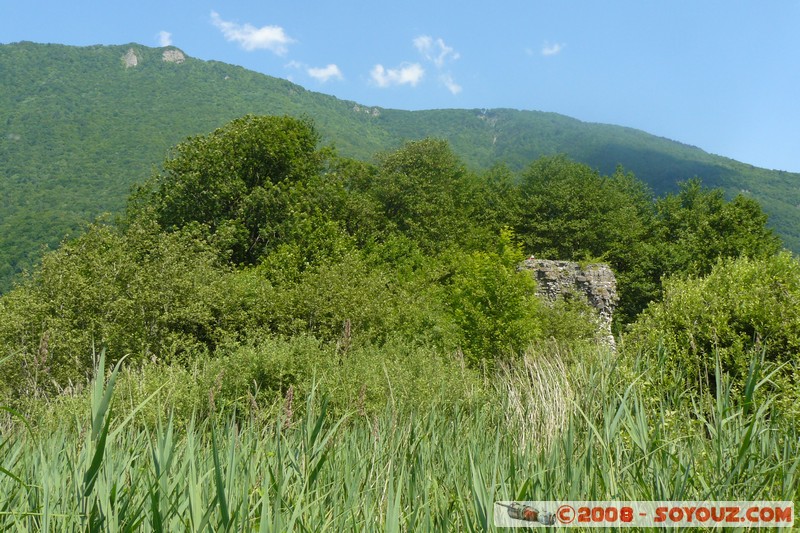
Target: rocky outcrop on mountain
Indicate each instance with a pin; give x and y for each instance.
(173, 55)
(130, 59)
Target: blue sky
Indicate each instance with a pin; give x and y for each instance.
(721, 75)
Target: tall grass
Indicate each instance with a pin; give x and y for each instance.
(591, 432)
(539, 396)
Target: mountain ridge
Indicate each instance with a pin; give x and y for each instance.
(78, 119)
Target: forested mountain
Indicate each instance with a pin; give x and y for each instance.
(79, 126)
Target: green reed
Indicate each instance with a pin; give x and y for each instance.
(585, 431)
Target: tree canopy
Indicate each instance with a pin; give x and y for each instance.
(256, 230)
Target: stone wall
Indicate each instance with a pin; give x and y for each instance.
(564, 279)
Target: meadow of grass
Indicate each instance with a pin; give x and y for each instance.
(581, 424)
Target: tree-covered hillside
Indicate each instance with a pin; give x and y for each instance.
(79, 126)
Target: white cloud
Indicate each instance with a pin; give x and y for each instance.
(552, 49)
(164, 38)
(451, 85)
(406, 74)
(272, 38)
(323, 74)
(435, 50)
(438, 53)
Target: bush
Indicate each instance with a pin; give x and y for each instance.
(494, 305)
(360, 379)
(253, 380)
(160, 296)
(744, 306)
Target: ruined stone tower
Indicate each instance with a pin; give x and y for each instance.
(562, 279)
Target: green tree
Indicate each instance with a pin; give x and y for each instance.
(252, 184)
(698, 226)
(144, 294)
(569, 211)
(424, 190)
(498, 199)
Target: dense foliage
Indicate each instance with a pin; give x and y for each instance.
(79, 128)
(289, 322)
(744, 310)
(254, 230)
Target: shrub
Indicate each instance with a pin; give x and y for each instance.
(494, 305)
(743, 306)
(161, 296)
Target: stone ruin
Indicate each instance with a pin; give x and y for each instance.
(565, 279)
